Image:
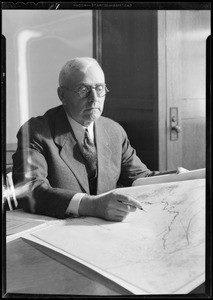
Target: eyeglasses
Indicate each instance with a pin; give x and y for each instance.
(83, 91)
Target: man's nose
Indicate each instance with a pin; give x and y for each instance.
(93, 95)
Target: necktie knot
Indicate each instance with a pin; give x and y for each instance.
(87, 139)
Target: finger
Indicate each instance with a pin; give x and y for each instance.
(131, 208)
(126, 207)
(121, 213)
(119, 218)
(128, 199)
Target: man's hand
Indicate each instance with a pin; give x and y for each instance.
(111, 206)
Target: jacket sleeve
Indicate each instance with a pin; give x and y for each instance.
(132, 167)
(30, 176)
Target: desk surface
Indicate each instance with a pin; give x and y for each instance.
(30, 270)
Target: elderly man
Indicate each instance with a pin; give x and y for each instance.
(72, 157)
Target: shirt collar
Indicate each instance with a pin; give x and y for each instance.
(79, 130)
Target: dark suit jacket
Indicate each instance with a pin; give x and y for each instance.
(48, 155)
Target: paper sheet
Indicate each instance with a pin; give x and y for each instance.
(190, 175)
(160, 251)
(19, 223)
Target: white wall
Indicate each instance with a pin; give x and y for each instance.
(38, 43)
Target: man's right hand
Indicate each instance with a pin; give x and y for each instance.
(112, 206)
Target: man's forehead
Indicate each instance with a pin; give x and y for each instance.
(87, 68)
(87, 72)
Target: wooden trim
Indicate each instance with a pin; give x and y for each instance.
(162, 91)
(130, 103)
(192, 108)
(11, 146)
(97, 35)
(174, 42)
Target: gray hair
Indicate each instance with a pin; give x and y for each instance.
(78, 63)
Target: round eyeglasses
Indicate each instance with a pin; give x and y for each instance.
(83, 91)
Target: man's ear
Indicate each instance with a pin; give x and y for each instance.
(61, 94)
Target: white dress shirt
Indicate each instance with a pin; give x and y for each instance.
(79, 132)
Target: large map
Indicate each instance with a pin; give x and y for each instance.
(160, 250)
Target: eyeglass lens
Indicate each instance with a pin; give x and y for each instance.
(84, 91)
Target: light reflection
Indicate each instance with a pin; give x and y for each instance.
(22, 40)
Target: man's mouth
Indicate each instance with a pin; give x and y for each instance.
(91, 108)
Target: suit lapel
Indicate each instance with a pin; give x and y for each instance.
(70, 153)
(69, 149)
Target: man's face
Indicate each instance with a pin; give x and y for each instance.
(89, 109)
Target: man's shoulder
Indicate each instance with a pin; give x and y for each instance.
(42, 122)
(49, 114)
(109, 122)
(111, 126)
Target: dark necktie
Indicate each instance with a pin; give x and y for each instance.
(90, 154)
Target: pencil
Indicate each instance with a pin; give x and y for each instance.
(139, 206)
